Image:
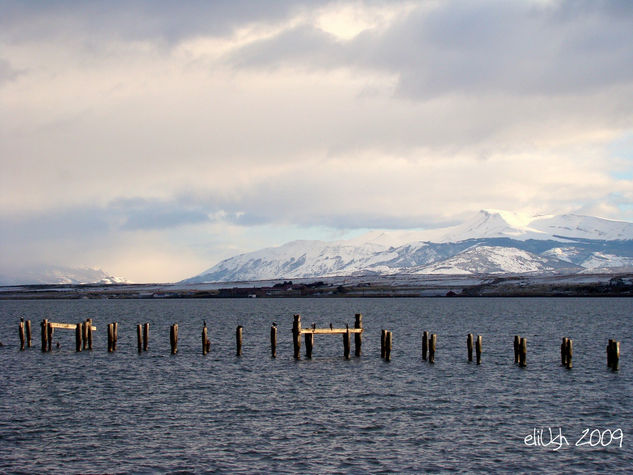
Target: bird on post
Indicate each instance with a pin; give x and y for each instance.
(331, 327)
(274, 324)
(313, 325)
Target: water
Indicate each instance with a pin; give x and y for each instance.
(121, 412)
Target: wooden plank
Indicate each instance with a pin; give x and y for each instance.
(67, 326)
(330, 331)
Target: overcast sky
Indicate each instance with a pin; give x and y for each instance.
(154, 138)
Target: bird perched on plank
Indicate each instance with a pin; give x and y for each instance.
(331, 327)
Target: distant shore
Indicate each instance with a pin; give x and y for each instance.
(577, 285)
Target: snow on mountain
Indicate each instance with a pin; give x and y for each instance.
(59, 275)
(497, 260)
(492, 241)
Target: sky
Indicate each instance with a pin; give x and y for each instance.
(153, 139)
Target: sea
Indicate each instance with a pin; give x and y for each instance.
(125, 412)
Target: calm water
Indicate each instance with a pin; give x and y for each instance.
(121, 412)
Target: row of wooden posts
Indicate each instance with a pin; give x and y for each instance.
(83, 340)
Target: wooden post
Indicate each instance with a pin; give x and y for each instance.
(613, 355)
(563, 352)
(309, 338)
(110, 336)
(205, 339)
(610, 353)
(383, 337)
(346, 343)
(21, 333)
(139, 338)
(28, 333)
(425, 344)
(517, 348)
(238, 340)
(44, 334)
(89, 321)
(79, 331)
(569, 352)
(432, 344)
(388, 342)
(173, 338)
(523, 352)
(273, 341)
(478, 348)
(358, 337)
(145, 336)
(50, 331)
(115, 335)
(296, 336)
(469, 345)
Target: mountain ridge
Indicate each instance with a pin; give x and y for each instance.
(493, 241)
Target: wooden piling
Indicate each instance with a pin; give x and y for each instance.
(569, 352)
(523, 352)
(50, 332)
(205, 339)
(21, 334)
(115, 335)
(478, 348)
(139, 338)
(28, 333)
(44, 334)
(79, 331)
(563, 352)
(145, 336)
(173, 338)
(425, 344)
(469, 346)
(273, 341)
(383, 337)
(517, 348)
(84, 334)
(613, 355)
(388, 342)
(238, 341)
(358, 337)
(110, 337)
(346, 343)
(89, 322)
(309, 339)
(296, 336)
(432, 345)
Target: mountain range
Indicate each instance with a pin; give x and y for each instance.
(59, 275)
(491, 242)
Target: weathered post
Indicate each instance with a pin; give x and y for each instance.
(110, 337)
(173, 338)
(21, 333)
(139, 338)
(145, 336)
(273, 341)
(28, 333)
(517, 348)
(84, 334)
(469, 345)
(388, 342)
(383, 336)
(425, 344)
(478, 348)
(50, 331)
(569, 353)
(44, 327)
(205, 339)
(358, 337)
(89, 321)
(296, 336)
(432, 345)
(238, 340)
(346, 343)
(309, 339)
(613, 355)
(563, 352)
(79, 331)
(523, 352)
(115, 335)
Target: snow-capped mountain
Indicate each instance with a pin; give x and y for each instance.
(59, 275)
(491, 242)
